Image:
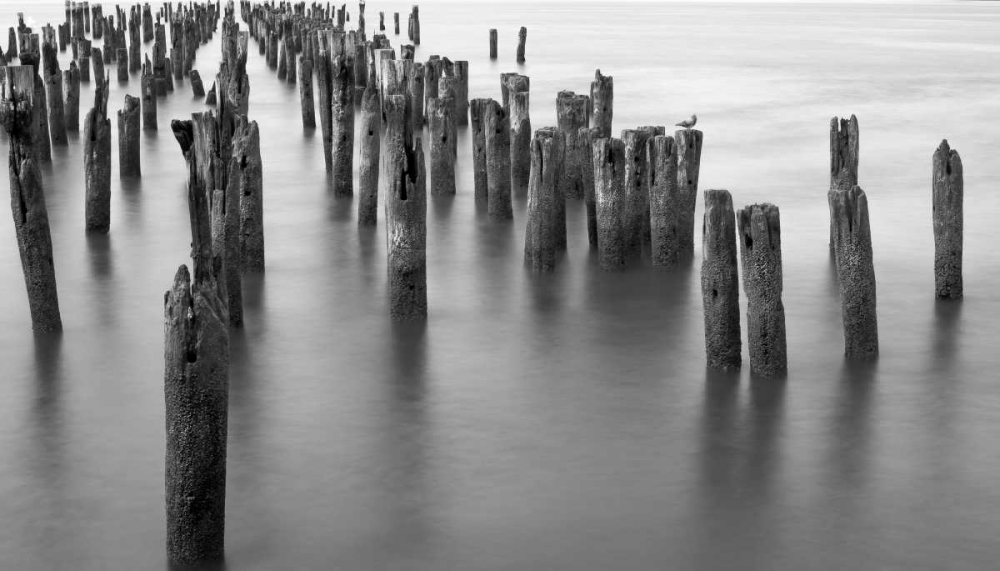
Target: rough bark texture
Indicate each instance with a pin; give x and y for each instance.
(948, 191)
(416, 88)
(760, 253)
(27, 199)
(97, 162)
(54, 94)
(148, 99)
(477, 111)
(128, 138)
(609, 187)
(197, 87)
(122, 67)
(855, 271)
(306, 93)
(498, 161)
(406, 218)
(71, 102)
(432, 74)
(602, 98)
(342, 126)
(250, 173)
(522, 38)
(493, 43)
(586, 136)
(371, 127)
(571, 113)
(664, 202)
(720, 286)
(688, 143)
(844, 154)
(542, 229)
(636, 191)
(442, 137)
(520, 142)
(461, 84)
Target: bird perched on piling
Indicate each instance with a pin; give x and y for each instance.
(688, 123)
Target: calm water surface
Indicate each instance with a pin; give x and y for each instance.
(563, 421)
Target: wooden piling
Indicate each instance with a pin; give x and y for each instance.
(128, 138)
(197, 86)
(520, 142)
(27, 198)
(395, 21)
(416, 88)
(461, 86)
(587, 135)
(71, 100)
(542, 229)
(522, 37)
(477, 111)
(497, 129)
(306, 93)
(636, 191)
(571, 114)
(210, 97)
(760, 253)
(31, 56)
(602, 98)
(406, 218)
(324, 86)
(53, 79)
(122, 68)
(688, 143)
(664, 201)
(432, 75)
(611, 211)
(371, 127)
(342, 126)
(97, 161)
(246, 173)
(855, 271)
(148, 84)
(97, 61)
(844, 154)
(720, 287)
(414, 26)
(947, 189)
(442, 139)
(493, 43)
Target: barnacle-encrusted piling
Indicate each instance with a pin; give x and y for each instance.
(760, 252)
(720, 286)
(947, 194)
(855, 271)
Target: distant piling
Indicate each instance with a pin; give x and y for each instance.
(844, 154)
(97, 161)
(602, 97)
(493, 43)
(71, 100)
(542, 228)
(520, 142)
(720, 287)
(688, 143)
(128, 138)
(760, 253)
(122, 66)
(406, 218)
(571, 114)
(342, 126)
(414, 26)
(947, 193)
(477, 111)
(664, 202)
(609, 190)
(442, 139)
(522, 38)
(148, 84)
(53, 79)
(370, 129)
(855, 271)
(31, 220)
(497, 131)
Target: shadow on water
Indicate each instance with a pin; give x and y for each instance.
(947, 325)
(45, 456)
(850, 432)
(132, 201)
(214, 566)
(371, 272)
(341, 207)
(253, 291)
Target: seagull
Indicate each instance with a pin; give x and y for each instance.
(688, 123)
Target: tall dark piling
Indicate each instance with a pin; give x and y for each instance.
(71, 100)
(542, 229)
(324, 86)
(283, 58)
(497, 131)
(342, 126)
(522, 38)
(442, 139)
(406, 218)
(493, 43)
(609, 189)
(211, 98)
(247, 174)
(306, 93)
(122, 66)
(664, 202)
(586, 138)
(636, 190)
(855, 271)
(479, 170)
(395, 22)
(461, 87)
(688, 143)
(432, 75)
(416, 88)
(844, 154)
(27, 198)
(760, 253)
(381, 21)
(128, 138)
(720, 286)
(520, 142)
(414, 26)
(947, 193)
(371, 127)
(31, 57)
(602, 99)
(97, 60)
(148, 85)
(197, 86)
(97, 161)
(53, 78)
(571, 116)
(196, 389)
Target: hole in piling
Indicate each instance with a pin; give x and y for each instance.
(715, 293)
(190, 356)
(371, 133)
(690, 182)
(947, 168)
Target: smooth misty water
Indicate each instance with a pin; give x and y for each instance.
(563, 421)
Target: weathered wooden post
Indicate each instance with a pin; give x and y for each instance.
(324, 87)
(406, 218)
(128, 138)
(97, 161)
(283, 58)
(306, 93)
(381, 21)
(441, 119)
(720, 286)
(947, 191)
(609, 188)
(371, 127)
(571, 114)
(760, 253)
(586, 137)
(196, 389)
(197, 87)
(27, 198)
(522, 37)
(122, 68)
(71, 101)
(479, 170)
(414, 27)
(511, 82)
(497, 128)
(31, 56)
(342, 126)
(844, 154)
(210, 97)
(636, 191)
(520, 142)
(54, 94)
(602, 98)
(246, 168)
(395, 20)
(541, 233)
(432, 75)
(97, 60)
(688, 144)
(493, 43)
(855, 271)
(416, 88)
(664, 201)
